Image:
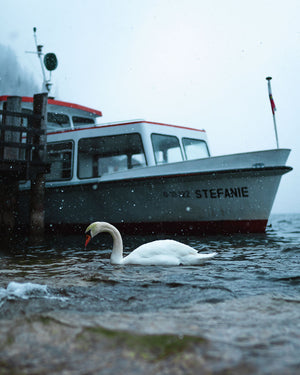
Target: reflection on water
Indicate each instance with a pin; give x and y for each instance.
(243, 305)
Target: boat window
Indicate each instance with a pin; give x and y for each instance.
(79, 121)
(166, 149)
(101, 155)
(53, 119)
(60, 156)
(58, 120)
(195, 148)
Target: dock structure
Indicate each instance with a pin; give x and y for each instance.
(23, 156)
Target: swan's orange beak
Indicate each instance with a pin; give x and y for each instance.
(87, 240)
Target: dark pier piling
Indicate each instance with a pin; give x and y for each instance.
(39, 155)
(23, 156)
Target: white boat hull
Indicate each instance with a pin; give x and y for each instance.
(210, 201)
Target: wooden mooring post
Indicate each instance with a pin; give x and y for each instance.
(23, 160)
(39, 155)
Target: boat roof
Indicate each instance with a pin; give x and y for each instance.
(133, 125)
(140, 121)
(59, 105)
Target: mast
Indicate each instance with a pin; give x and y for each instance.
(39, 53)
(49, 62)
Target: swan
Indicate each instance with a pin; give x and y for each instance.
(160, 252)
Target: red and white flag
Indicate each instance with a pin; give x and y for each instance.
(273, 107)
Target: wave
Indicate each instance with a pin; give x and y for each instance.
(15, 290)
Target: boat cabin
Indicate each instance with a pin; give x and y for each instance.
(61, 115)
(93, 152)
(80, 148)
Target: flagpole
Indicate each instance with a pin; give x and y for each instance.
(273, 107)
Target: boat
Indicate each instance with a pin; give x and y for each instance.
(149, 177)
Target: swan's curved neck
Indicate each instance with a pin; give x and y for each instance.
(117, 251)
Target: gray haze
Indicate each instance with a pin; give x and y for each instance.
(14, 80)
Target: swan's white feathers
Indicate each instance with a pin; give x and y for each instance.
(160, 252)
(166, 252)
(169, 247)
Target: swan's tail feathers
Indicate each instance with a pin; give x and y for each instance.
(208, 256)
(198, 259)
(202, 258)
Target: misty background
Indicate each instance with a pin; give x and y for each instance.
(192, 63)
(15, 80)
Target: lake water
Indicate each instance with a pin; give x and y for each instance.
(64, 310)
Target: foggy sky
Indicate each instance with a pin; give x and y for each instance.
(14, 80)
(197, 63)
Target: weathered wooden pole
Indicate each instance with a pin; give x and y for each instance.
(9, 185)
(37, 212)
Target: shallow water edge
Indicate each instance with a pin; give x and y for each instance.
(204, 339)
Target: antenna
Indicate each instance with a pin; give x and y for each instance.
(50, 62)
